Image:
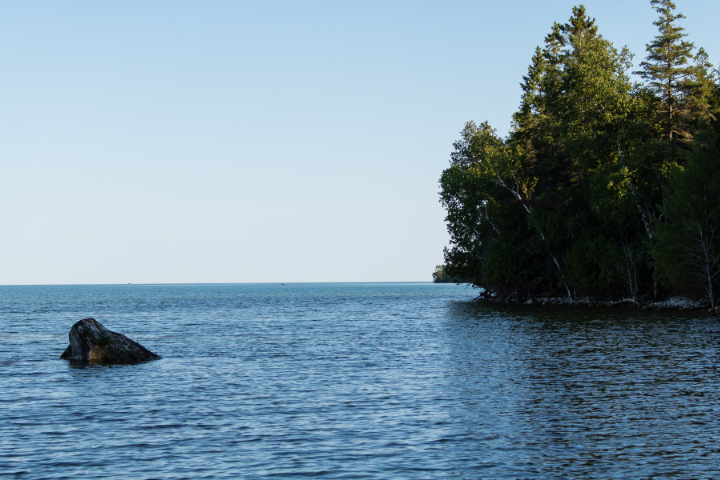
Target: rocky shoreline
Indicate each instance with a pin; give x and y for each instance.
(672, 303)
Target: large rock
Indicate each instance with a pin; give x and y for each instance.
(92, 343)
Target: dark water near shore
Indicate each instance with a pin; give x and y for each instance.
(355, 381)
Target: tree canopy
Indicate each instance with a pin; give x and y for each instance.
(604, 187)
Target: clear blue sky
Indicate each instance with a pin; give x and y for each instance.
(229, 141)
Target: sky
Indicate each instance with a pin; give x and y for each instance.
(274, 141)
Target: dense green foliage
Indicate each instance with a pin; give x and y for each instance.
(605, 187)
(440, 276)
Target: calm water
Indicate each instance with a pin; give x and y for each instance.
(355, 381)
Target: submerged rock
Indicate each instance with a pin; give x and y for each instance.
(93, 343)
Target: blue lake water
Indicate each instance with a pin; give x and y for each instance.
(355, 381)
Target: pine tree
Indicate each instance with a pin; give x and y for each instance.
(532, 104)
(701, 86)
(667, 67)
(579, 30)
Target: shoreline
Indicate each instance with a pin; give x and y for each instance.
(671, 303)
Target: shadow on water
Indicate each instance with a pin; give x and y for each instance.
(584, 391)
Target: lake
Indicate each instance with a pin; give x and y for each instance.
(343, 380)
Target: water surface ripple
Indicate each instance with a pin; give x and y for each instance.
(354, 381)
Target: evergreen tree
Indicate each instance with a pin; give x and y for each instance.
(579, 30)
(528, 119)
(590, 99)
(667, 68)
(701, 87)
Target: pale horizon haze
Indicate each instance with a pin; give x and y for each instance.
(276, 141)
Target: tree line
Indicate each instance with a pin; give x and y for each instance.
(605, 187)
